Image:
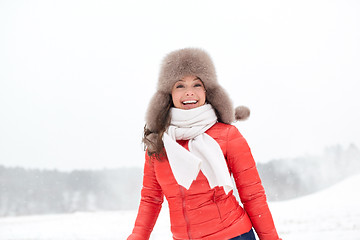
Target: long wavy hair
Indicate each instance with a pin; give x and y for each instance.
(153, 139)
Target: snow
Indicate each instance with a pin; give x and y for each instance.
(333, 213)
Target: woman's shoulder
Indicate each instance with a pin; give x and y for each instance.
(222, 126)
(222, 130)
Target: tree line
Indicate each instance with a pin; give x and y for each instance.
(34, 191)
(290, 178)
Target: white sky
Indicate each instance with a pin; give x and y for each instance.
(76, 76)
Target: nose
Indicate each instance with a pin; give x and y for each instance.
(189, 92)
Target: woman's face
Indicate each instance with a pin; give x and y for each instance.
(188, 93)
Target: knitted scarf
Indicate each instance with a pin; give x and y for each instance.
(204, 152)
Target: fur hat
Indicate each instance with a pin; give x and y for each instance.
(185, 62)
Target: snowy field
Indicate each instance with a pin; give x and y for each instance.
(330, 214)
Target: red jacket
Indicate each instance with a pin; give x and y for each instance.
(201, 212)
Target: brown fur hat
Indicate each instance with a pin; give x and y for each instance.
(192, 61)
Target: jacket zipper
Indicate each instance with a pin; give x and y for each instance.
(217, 206)
(184, 212)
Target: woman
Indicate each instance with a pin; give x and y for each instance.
(192, 151)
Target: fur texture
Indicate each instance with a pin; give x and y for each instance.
(157, 103)
(181, 63)
(184, 62)
(242, 113)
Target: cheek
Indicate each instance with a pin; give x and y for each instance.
(175, 98)
(202, 96)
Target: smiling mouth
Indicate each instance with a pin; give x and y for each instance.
(189, 102)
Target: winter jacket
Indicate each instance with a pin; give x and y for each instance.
(201, 212)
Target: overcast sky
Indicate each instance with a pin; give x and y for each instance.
(76, 76)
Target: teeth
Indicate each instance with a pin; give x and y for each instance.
(189, 102)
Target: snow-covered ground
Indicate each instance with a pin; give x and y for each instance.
(330, 214)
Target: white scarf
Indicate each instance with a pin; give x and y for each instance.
(204, 152)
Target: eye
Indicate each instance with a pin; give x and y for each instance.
(198, 85)
(180, 86)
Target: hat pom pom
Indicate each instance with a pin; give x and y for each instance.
(242, 113)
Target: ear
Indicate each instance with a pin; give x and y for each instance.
(242, 113)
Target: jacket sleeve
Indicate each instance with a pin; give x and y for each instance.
(248, 183)
(150, 204)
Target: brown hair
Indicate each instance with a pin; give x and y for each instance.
(152, 139)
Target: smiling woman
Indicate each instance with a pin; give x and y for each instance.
(188, 93)
(192, 152)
